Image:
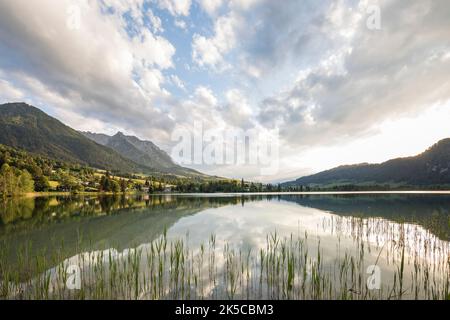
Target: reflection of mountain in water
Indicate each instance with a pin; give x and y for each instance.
(86, 223)
(430, 211)
(93, 223)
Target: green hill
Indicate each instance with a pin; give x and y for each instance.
(432, 167)
(28, 128)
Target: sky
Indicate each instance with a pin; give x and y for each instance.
(337, 82)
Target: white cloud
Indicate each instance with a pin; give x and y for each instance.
(9, 93)
(178, 82)
(150, 50)
(244, 4)
(209, 52)
(206, 97)
(237, 110)
(368, 77)
(211, 6)
(176, 7)
(181, 24)
(155, 22)
(251, 70)
(150, 81)
(312, 69)
(91, 69)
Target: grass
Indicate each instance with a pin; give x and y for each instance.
(141, 181)
(415, 265)
(53, 184)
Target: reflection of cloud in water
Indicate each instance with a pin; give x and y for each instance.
(247, 227)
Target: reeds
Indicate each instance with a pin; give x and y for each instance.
(414, 264)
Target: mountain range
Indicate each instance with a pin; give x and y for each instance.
(26, 127)
(431, 167)
(144, 153)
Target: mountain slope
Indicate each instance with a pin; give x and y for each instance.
(429, 168)
(26, 127)
(145, 153)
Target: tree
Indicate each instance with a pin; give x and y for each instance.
(35, 171)
(26, 183)
(115, 187)
(123, 185)
(4, 158)
(102, 183)
(41, 184)
(67, 182)
(8, 181)
(105, 183)
(14, 181)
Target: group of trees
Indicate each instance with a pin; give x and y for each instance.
(294, 188)
(219, 186)
(154, 186)
(14, 181)
(37, 167)
(24, 172)
(108, 184)
(43, 170)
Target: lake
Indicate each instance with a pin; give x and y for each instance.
(272, 246)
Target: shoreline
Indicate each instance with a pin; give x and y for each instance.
(85, 193)
(202, 194)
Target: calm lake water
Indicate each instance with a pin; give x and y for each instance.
(331, 223)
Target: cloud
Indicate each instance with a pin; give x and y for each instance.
(101, 68)
(180, 24)
(211, 6)
(244, 4)
(155, 22)
(312, 69)
(178, 82)
(201, 107)
(237, 111)
(176, 7)
(372, 76)
(205, 97)
(209, 52)
(9, 92)
(280, 39)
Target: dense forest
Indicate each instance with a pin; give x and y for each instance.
(40, 173)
